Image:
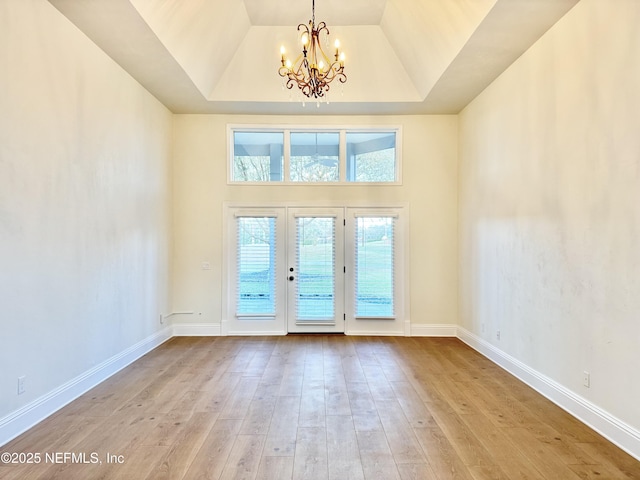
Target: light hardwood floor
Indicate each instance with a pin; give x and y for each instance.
(316, 407)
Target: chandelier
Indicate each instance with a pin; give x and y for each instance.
(313, 70)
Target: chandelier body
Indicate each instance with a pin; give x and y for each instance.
(313, 70)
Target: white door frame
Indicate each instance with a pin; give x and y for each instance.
(231, 324)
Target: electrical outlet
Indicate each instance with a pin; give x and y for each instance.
(498, 335)
(21, 387)
(586, 379)
(206, 266)
(161, 319)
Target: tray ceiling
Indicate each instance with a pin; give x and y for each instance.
(403, 56)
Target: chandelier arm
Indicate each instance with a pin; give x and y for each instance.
(304, 26)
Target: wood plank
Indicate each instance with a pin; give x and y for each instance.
(211, 400)
(469, 448)
(214, 451)
(375, 454)
(242, 360)
(402, 441)
(593, 472)
(416, 412)
(352, 368)
(501, 448)
(456, 394)
(311, 462)
(546, 461)
(492, 472)
(418, 471)
(360, 398)
(563, 445)
(312, 407)
(365, 413)
(283, 430)
(258, 363)
(274, 370)
(170, 426)
(336, 393)
(185, 448)
(342, 449)
(275, 468)
(611, 457)
(291, 385)
(244, 458)
(444, 460)
(258, 417)
(379, 386)
(237, 404)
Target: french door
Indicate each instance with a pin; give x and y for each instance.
(314, 270)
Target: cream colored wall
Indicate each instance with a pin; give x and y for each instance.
(429, 187)
(550, 207)
(84, 205)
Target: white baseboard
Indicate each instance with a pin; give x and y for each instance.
(615, 430)
(373, 333)
(34, 412)
(434, 330)
(196, 330)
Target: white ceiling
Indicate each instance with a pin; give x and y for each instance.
(403, 56)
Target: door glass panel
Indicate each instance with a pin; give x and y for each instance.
(315, 266)
(256, 263)
(374, 267)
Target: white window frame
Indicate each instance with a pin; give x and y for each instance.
(288, 129)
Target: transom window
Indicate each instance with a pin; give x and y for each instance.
(314, 156)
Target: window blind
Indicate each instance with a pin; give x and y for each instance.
(315, 266)
(374, 265)
(256, 266)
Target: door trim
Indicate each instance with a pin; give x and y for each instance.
(402, 324)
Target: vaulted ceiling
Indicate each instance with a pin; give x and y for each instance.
(403, 56)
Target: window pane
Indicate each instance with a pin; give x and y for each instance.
(314, 157)
(371, 157)
(258, 156)
(374, 266)
(256, 264)
(315, 266)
